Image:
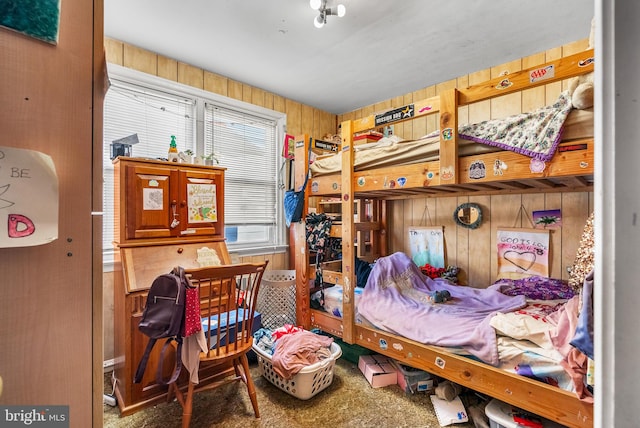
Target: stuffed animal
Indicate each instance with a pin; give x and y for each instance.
(581, 87)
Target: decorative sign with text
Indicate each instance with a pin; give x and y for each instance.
(28, 198)
(201, 199)
(390, 116)
(523, 253)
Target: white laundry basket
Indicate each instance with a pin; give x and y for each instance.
(307, 382)
(277, 298)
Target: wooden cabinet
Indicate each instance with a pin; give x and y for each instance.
(168, 200)
(165, 213)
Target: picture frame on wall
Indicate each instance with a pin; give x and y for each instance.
(288, 148)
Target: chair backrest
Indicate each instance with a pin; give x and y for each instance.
(228, 296)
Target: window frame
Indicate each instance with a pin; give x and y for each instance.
(137, 78)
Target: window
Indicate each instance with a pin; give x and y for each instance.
(247, 146)
(245, 138)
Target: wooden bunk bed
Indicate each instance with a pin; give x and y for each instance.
(569, 170)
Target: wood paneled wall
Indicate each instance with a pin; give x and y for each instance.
(301, 118)
(474, 251)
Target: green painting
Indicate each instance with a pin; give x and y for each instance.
(35, 18)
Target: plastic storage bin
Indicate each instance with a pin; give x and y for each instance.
(501, 415)
(412, 380)
(307, 382)
(277, 298)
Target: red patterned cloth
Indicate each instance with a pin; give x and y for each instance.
(432, 272)
(192, 322)
(285, 329)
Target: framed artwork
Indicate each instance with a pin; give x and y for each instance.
(35, 18)
(288, 148)
(549, 219)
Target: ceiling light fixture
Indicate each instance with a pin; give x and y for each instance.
(321, 6)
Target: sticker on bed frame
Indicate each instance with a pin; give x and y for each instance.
(390, 184)
(361, 181)
(315, 187)
(401, 181)
(446, 173)
(499, 167)
(584, 164)
(447, 134)
(537, 166)
(477, 170)
(572, 147)
(429, 176)
(334, 186)
(397, 346)
(425, 108)
(404, 112)
(542, 73)
(504, 84)
(326, 145)
(383, 344)
(440, 362)
(586, 62)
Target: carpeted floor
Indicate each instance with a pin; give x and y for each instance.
(348, 402)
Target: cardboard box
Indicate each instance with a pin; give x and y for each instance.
(413, 380)
(378, 369)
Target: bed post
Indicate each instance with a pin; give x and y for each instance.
(348, 256)
(299, 247)
(449, 137)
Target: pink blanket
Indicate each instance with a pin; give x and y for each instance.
(397, 299)
(295, 351)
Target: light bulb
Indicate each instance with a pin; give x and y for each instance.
(341, 10)
(318, 22)
(315, 4)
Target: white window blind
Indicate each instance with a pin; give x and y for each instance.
(247, 146)
(154, 116)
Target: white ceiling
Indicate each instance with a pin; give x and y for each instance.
(378, 50)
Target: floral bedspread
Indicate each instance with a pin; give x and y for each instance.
(535, 134)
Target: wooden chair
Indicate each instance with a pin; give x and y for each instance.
(228, 297)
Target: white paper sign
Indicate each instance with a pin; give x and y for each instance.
(426, 246)
(28, 198)
(523, 253)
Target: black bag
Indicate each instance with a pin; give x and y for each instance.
(163, 317)
(294, 200)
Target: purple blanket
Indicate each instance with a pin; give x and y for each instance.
(397, 299)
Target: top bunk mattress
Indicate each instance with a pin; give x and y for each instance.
(393, 151)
